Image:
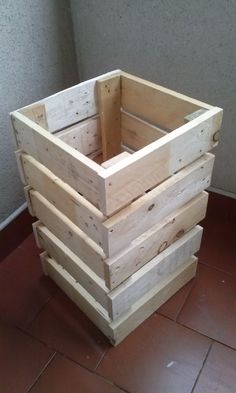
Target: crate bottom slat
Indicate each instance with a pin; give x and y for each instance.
(117, 330)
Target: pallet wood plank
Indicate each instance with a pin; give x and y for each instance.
(80, 211)
(84, 136)
(150, 243)
(126, 294)
(67, 232)
(96, 313)
(114, 160)
(70, 105)
(154, 299)
(132, 221)
(156, 162)
(73, 264)
(64, 161)
(156, 104)
(137, 133)
(108, 91)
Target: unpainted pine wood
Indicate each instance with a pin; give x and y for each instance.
(95, 312)
(154, 163)
(155, 240)
(156, 104)
(193, 115)
(139, 216)
(117, 330)
(65, 162)
(70, 105)
(158, 269)
(154, 299)
(64, 229)
(108, 92)
(80, 211)
(137, 133)
(73, 265)
(37, 113)
(114, 160)
(84, 136)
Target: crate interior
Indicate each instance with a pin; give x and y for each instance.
(128, 116)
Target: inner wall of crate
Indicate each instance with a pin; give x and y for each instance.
(136, 131)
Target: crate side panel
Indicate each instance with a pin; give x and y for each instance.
(68, 233)
(73, 264)
(154, 241)
(154, 299)
(159, 268)
(65, 162)
(81, 212)
(140, 215)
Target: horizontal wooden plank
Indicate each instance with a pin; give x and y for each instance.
(65, 162)
(73, 264)
(108, 93)
(84, 136)
(154, 163)
(137, 133)
(64, 229)
(159, 268)
(139, 216)
(70, 105)
(96, 313)
(80, 211)
(155, 240)
(154, 299)
(117, 330)
(155, 103)
(114, 160)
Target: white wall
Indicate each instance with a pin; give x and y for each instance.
(37, 58)
(188, 46)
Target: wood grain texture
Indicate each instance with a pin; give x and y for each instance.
(158, 269)
(152, 242)
(108, 92)
(139, 216)
(80, 211)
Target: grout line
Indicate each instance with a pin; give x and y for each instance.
(203, 364)
(100, 361)
(41, 372)
(217, 268)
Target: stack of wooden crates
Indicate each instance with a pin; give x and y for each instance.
(115, 170)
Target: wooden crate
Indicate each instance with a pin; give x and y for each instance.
(115, 169)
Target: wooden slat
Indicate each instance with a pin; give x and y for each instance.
(37, 113)
(108, 91)
(73, 264)
(84, 136)
(116, 331)
(155, 103)
(139, 216)
(137, 133)
(154, 299)
(156, 162)
(71, 105)
(64, 161)
(80, 211)
(114, 160)
(68, 233)
(159, 268)
(96, 313)
(154, 241)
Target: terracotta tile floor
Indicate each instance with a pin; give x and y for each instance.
(188, 346)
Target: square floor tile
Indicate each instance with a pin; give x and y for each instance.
(21, 360)
(64, 327)
(159, 356)
(24, 288)
(218, 247)
(211, 306)
(63, 375)
(173, 306)
(219, 372)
